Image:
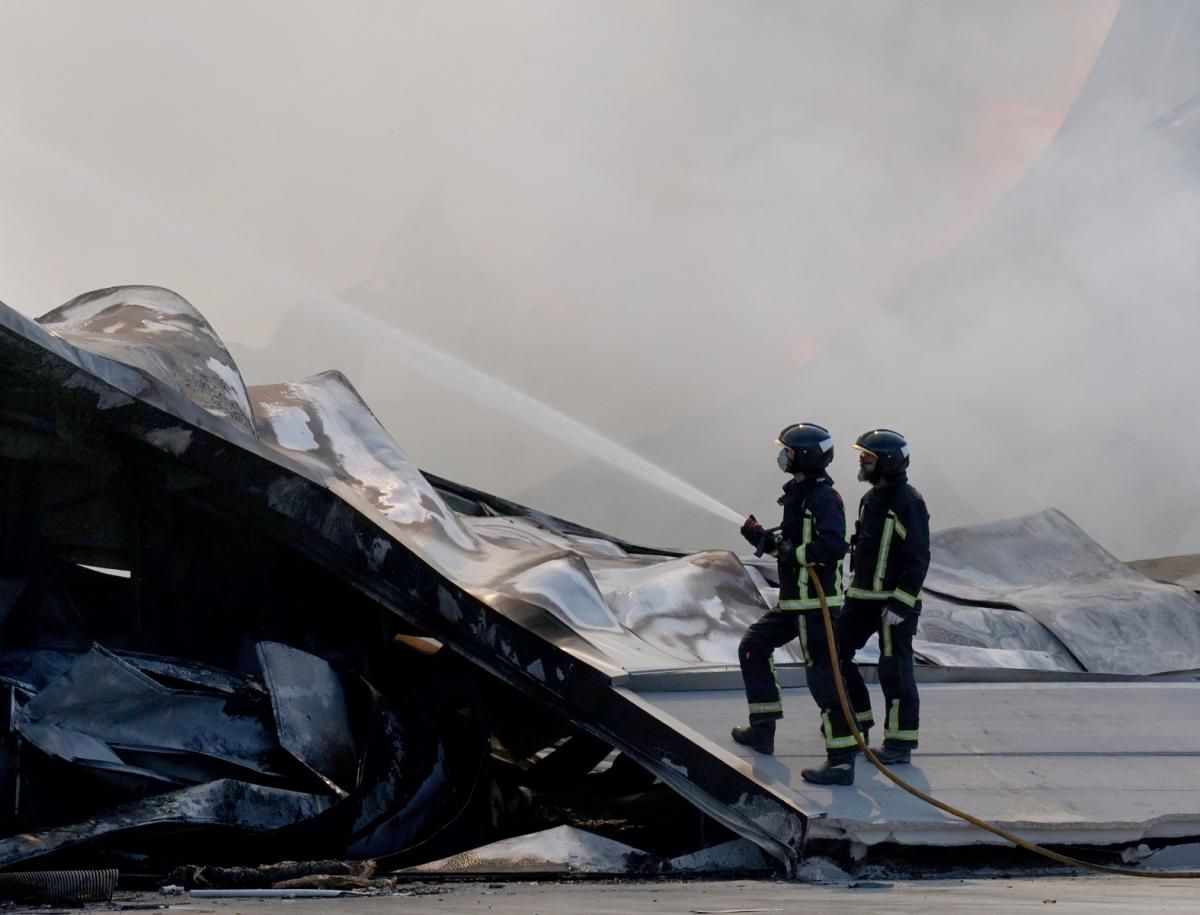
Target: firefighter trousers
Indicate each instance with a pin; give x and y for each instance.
(859, 620)
(755, 655)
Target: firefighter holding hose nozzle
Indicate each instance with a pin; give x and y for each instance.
(813, 532)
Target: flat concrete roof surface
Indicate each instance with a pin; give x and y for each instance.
(1095, 763)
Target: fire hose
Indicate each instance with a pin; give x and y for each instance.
(940, 805)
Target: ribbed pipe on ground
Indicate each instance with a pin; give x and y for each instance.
(59, 887)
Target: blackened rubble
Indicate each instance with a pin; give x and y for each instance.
(246, 612)
(240, 626)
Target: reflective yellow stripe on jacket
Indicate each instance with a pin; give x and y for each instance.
(893, 527)
(807, 601)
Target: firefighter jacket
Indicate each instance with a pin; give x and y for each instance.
(890, 547)
(814, 525)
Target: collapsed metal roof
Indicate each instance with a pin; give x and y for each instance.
(132, 444)
(269, 664)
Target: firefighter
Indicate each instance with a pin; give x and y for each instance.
(813, 532)
(889, 556)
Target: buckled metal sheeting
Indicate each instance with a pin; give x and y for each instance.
(355, 505)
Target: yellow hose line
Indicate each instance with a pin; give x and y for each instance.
(929, 799)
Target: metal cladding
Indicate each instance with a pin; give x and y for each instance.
(315, 644)
(629, 611)
(267, 542)
(1111, 618)
(160, 333)
(311, 713)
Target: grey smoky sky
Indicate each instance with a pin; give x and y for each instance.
(683, 224)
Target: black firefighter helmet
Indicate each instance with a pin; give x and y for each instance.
(811, 446)
(890, 449)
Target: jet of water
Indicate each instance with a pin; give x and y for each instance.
(490, 391)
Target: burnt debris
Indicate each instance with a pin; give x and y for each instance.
(239, 626)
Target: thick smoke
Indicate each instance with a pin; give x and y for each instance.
(681, 224)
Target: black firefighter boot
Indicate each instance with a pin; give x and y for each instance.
(838, 770)
(760, 737)
(894, 754)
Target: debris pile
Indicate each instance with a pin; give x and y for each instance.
(238, 625)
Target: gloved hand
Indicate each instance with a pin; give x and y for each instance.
(891, 617)
(752, 530)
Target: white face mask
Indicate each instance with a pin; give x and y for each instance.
(784, 460)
